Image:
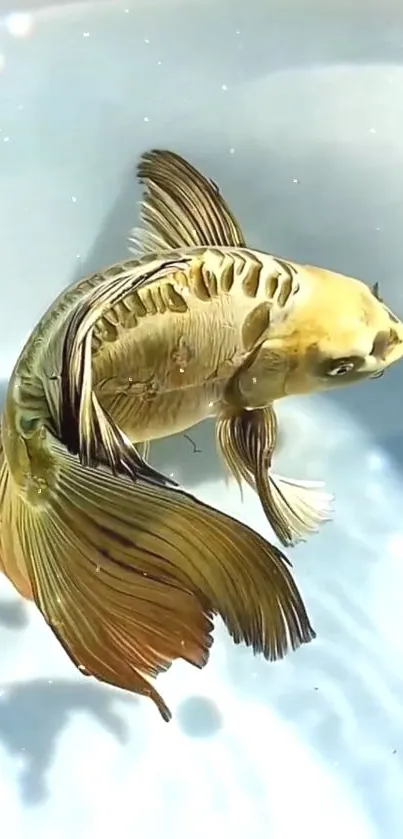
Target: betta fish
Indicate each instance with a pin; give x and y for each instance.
(127, 568)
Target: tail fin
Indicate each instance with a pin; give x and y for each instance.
(128, 576)
(12, 563)
(180, 208)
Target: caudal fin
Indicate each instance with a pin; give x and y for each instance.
(129, 576)
(12, 562)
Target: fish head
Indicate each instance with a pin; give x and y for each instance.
(338, 332)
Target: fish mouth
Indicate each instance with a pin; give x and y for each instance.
(396, 352)
(387, 349)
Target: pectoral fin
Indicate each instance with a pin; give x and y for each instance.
(180, 208)
(128, 576)
(247, 440)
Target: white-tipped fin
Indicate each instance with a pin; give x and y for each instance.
(247, 441)
(303, 505)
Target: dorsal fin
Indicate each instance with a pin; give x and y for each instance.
(180, 208)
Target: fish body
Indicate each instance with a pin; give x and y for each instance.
(227, 327)
(126, 567)
(195, 329)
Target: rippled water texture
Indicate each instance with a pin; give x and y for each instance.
(297, 112)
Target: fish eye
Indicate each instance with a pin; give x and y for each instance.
(341, 368)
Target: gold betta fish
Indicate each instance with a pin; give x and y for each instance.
(127, 568)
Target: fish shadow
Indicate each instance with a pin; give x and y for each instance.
(33, 715)
(199, 717)
(13, 615)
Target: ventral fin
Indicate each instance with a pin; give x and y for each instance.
(247, 441)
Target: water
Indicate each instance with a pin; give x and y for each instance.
(297, 112)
